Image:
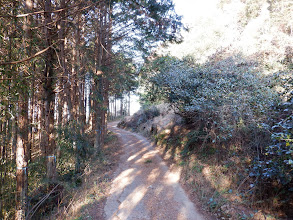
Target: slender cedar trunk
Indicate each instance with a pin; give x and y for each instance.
(108, 47)
(28, 33)
(109, 109)
(60, 80)
(2, 162)
(59, 115)
(86, 100)
(5, 132)
(1, 173)
(81, 120)
(107, 63)
(23, 146)
(98, 115)
(105, 45)
(13, 69)
(60, 103)
(82, 105)
(128, 103)
(14, 135)
(121, 105)
(61, 26)
(92, 107)
(102, 78)
(76, 89)
(101, 112)
(93, 92)
(74, 94)
(66, 74)
(81, 81)
(21, 162)
(41, 126)
(49, 97)
(98, 82)
(105, 111)
(32, 121)
(115, 106)
(81, 117)
(113, 110)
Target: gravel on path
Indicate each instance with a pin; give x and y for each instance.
(143, 187)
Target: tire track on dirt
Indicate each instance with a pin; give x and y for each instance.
(143, 187)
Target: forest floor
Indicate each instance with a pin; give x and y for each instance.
(87, 201)
(143, 186)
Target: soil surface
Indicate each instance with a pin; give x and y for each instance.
(143, 187)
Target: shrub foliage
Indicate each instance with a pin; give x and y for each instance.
(228, 98)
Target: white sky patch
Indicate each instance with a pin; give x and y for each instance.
(193, 9)
(134, 104)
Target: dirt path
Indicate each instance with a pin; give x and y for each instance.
(143, 187)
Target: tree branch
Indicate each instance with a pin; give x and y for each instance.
(29, 58)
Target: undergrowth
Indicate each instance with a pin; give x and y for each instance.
(85, 200)
(79, 170)
(73, 150)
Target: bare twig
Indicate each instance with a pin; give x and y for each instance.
(36, 206)
(39, 12)
(29, 58)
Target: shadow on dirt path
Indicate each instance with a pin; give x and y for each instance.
(143, 187)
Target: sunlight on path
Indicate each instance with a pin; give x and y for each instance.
(143, 186)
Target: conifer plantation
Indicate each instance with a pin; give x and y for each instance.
(60, 62)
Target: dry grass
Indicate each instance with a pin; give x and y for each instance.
(213, 183)
(88, 200)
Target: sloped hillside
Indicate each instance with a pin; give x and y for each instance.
(218, 177)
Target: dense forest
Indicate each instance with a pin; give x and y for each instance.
(60, 62)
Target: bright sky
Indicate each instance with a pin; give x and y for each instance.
(193, 9)
(212, 27)
(205, 22)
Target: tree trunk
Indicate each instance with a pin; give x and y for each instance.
(49, 98)
(21, 162)
(22, 145)
(107, 64)
(65, 73)
(128, 104)
(115, 106)
(98, 81)
(121, 106)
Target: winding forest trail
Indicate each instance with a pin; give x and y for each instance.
(143, 187)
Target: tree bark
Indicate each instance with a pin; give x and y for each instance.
(121, 106)
(22, 145)
(21, 163)
(98, 96)
(49, 98)
(67, 78)
(115, 106)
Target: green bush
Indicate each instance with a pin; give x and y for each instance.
(74, 148)
(277, 162)
(226, 95)
(230, 101)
